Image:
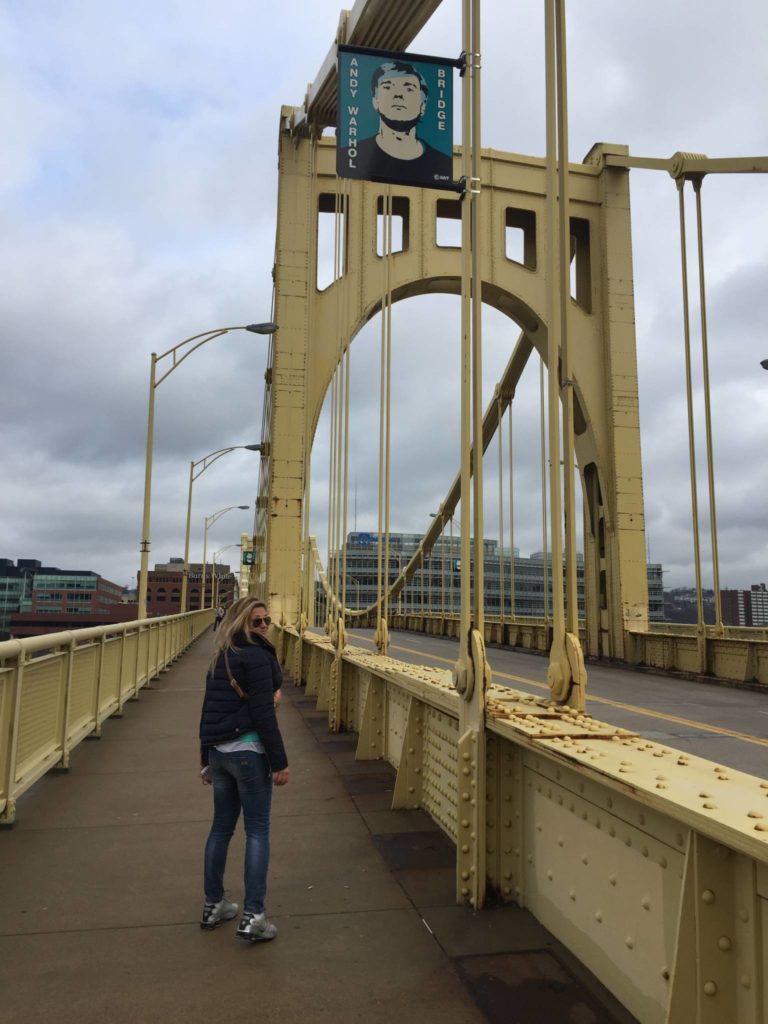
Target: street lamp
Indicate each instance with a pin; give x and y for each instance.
(451, 519)
(189, 345)
(209, 521)
(204, 463)
(214, 584)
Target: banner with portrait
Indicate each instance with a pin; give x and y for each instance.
(395, 117)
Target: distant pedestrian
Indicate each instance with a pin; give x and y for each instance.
(219, 615)
(242, 754)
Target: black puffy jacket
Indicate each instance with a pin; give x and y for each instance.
(226, 715)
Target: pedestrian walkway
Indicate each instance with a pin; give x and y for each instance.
(100, 894)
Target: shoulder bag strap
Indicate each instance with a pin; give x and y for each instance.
(232, 681)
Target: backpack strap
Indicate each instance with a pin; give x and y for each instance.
(232, 681)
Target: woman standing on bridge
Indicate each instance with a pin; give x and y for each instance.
(242, 754)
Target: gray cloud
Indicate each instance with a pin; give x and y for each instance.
(139, 179)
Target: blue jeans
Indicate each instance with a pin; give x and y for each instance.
(240, 779)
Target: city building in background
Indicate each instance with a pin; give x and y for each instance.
(15, 588)
(164, 587)
(745, 607)
(36, 598)
(436, 585)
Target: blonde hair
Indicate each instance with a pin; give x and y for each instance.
(237, 619)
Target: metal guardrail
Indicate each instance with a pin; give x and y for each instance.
(735, 654)
(58, 688)
(650, 864)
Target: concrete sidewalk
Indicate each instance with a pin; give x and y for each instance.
(101, 893)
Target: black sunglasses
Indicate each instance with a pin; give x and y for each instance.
(257, 620)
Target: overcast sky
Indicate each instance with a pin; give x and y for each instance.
(138, 180)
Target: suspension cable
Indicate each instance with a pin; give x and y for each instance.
(708, 408)
(332, 474)
(500, 438)
(388, 409)
(339, 478)
(512, 610)
(347, 375)
(307, 606)
(543, 449)
(689, 397)
(337, 440)
(382, 392)
(385, 403)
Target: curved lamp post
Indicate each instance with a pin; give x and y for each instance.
(194, 473)
(215, 585)
(209, 521)
(177, 355)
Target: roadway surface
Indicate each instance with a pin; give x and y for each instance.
(721, 723)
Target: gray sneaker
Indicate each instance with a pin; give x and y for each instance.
(256, 928)
(215, 913)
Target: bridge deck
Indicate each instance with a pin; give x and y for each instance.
(722, 723)
(100, 894)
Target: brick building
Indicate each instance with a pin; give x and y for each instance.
(44, 599)
(745, 607)
(164, 587)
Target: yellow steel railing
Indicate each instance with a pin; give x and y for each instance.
(650, 864)
(58, 688)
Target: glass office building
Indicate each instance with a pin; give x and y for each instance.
(516, 583)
